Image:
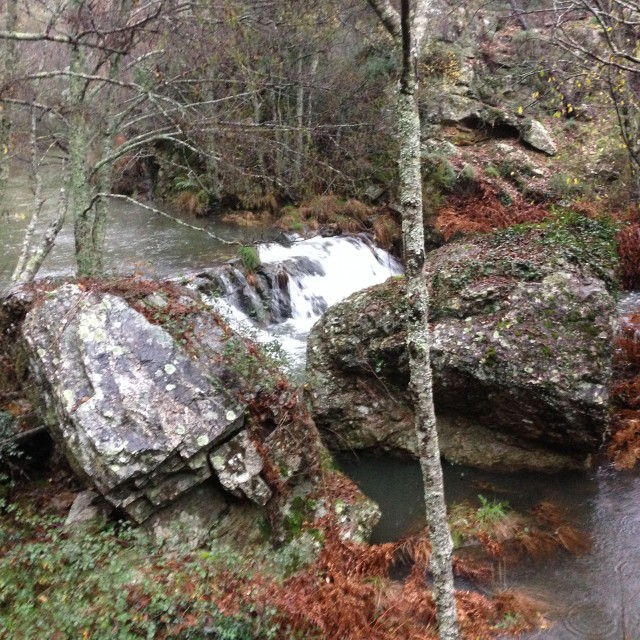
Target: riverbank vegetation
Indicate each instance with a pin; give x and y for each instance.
(106, 580)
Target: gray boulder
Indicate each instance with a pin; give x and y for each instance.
(134, 412)
(469, 113)
(522, 326)
(153, 417)
(536, 136)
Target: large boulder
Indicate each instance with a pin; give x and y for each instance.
(131, 409)
(176, 420)
(522, 327)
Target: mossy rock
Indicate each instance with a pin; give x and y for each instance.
(522, 334)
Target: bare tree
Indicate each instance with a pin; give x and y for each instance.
(8, 65)
(408, 28)
(84, 88)
(602, 38)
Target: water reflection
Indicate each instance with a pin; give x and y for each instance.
(591, 597)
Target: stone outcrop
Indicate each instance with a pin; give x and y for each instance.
(522, 330)
(155, 422)
(131, 409)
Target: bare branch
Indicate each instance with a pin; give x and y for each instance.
(164, 214)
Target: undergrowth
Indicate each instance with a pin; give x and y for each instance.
(110, 581)
(113, 583)
(484, 211)
(624, 446)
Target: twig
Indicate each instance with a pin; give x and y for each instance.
(25, 435)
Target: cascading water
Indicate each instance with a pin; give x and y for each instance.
(296, 284)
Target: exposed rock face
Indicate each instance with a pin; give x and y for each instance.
(159, 430)
(522, 337)
(132, 411)
(238, 465)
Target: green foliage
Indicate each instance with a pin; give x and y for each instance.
(110, 584)
(439, 178)
(491, 511)
(249, 257)
(563, 186)
(439, 173)
(8, 448)
(300, 511)
(186, 183)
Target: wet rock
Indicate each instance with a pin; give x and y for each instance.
(522, 333)
(157, 429)
(133, 411)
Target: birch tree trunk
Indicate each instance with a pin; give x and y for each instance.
(408, 29)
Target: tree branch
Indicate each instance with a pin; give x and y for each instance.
(164, 214)
(389, 17)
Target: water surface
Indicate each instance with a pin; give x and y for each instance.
(595, 596)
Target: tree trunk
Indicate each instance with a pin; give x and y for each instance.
(408, 29)
(79, 187)
(418, 345)
(9, 63)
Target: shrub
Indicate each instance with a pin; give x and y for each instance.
(629, 252)
(249, 257)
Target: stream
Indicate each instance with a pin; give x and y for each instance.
(592, 597)
(137, 240)
(595, 596)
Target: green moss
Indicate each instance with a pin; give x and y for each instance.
(300, 511)
(578, 239)
(491, 355)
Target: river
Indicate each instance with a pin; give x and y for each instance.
(137, 240)
(595, 596)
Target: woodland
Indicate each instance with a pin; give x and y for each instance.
(416, 122)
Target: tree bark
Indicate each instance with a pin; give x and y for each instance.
(79, 188)
(9, 62)
(413, 24)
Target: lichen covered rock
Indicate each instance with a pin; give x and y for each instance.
(132, 410)
(522, 332)
(187, 427)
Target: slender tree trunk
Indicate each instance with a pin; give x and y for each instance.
(8, 68)
(408, 29)
(32, 257)
(418, 345)
(299, 146)
(79, 187)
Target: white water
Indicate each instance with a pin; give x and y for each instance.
(321, 272)
(345, 265)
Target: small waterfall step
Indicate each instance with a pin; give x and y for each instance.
(295, 285)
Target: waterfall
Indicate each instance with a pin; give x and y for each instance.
(295, 285)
